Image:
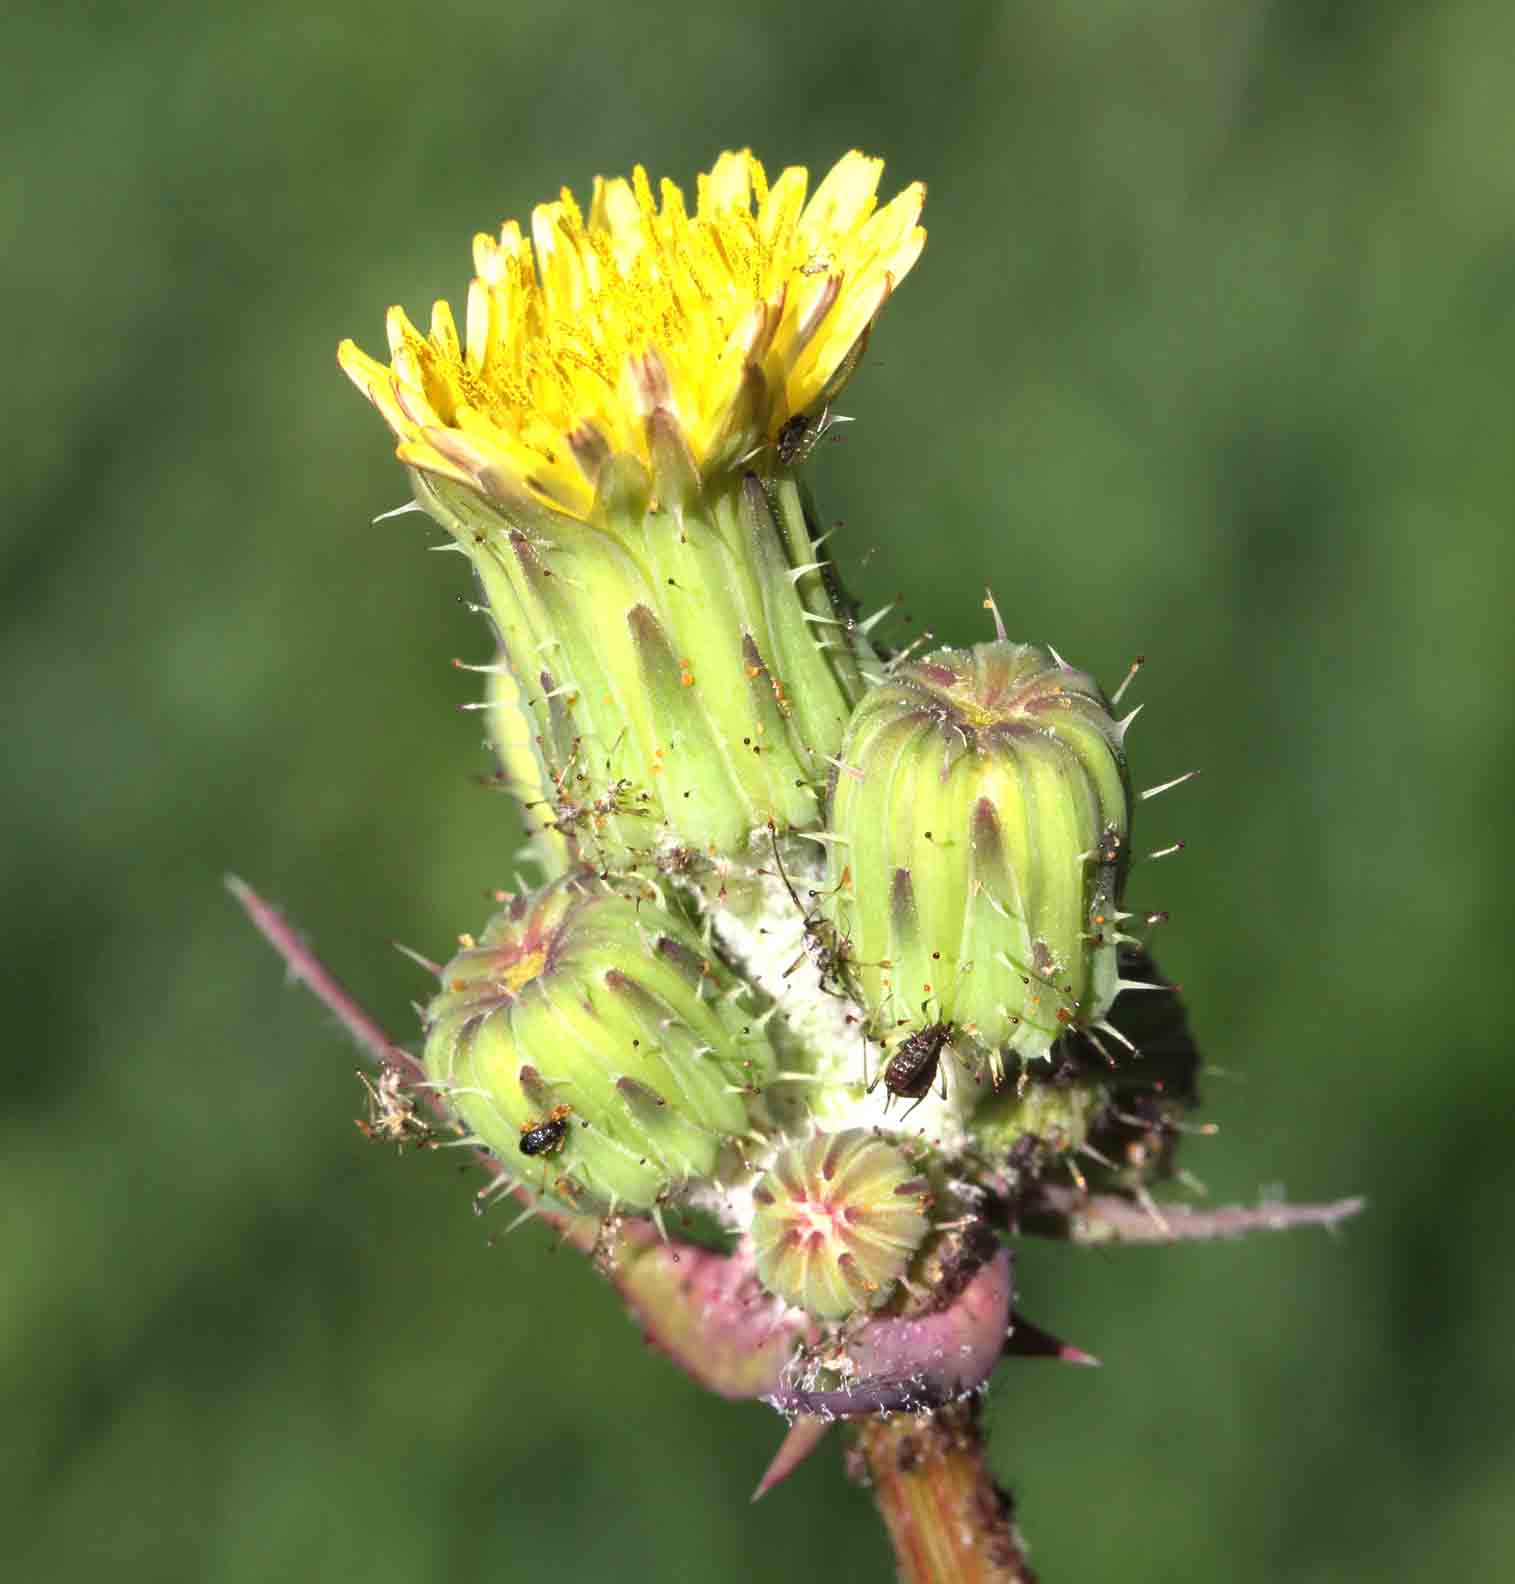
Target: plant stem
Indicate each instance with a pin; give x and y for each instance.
(304, 965)
(1058, 1211)
(948, 1521)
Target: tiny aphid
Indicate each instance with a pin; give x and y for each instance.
(546, 1137)
(912, 1069)
(821, 943)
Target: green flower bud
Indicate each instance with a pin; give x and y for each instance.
(836, 1221)
(593, 1044)
(982, 809)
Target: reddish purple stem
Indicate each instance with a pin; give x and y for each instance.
(305, 966)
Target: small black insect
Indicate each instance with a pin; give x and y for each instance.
(546, 1137)
(800, 435)
(791, 443)
(912, 1069)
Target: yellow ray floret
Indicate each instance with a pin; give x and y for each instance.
(729, 321)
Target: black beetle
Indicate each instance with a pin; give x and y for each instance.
(546, 1137)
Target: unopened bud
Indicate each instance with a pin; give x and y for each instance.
(982, 820)
(594, 1046)
(836, 1220)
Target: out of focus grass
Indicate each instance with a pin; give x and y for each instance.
(1210, 357)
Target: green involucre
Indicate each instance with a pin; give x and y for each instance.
(836, 1221)
(680, 657)
(584, 1005)
(982, 808)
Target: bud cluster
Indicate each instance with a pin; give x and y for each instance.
(827, 946)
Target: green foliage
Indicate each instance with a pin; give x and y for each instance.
(1209, 357)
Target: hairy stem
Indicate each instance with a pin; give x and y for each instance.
(947, 1519)
(1058, 1211)
(305, 966)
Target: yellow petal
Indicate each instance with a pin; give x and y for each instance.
(737, 314)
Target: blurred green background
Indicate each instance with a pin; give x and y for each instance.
(1209, 357)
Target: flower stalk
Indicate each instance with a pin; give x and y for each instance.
(947, 1517)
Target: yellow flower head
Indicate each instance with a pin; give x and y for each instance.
(593, 337)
